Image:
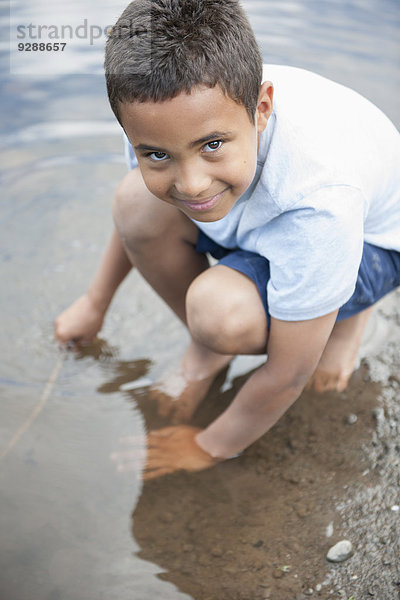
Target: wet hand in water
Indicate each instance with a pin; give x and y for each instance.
(79, 323)
(168, 449)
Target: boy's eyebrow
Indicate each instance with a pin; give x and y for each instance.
(211, 136)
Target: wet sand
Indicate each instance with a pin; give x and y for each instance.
(259, 527)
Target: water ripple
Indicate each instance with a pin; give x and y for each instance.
(60, 130)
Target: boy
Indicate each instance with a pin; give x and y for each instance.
(296, 190)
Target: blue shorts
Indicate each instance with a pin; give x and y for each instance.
(379, 273)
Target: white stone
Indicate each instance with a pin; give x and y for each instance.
(340, 551)
(329, 530)
(351, 419)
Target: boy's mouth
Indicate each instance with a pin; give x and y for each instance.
(202, 205)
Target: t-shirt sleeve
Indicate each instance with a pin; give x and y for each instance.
(130, 155)
(314, 251)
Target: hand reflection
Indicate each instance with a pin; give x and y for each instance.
(167, 450)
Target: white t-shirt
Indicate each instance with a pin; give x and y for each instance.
(328, 179)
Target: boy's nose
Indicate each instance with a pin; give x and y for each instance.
(192, 182)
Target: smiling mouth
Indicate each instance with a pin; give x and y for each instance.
(201, 205)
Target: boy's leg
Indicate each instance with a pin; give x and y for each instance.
(338, 360)
(160, 241)
(225, 317)
(379, 274)
(221, 306)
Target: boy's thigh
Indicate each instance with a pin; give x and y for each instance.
(140, 216)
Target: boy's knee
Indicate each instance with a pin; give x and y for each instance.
(127, 201)
(207, 320)
(124, 197)
(133, 212)
(221, 318)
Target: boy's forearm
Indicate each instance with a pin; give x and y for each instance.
(256, 408)
(294, 350)
(113, 268)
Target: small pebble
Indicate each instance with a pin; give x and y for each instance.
(378, 413)
(340, 551)
(351, 419)
(329, 530)
(395, 508)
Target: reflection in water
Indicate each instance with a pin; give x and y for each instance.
(126, 374)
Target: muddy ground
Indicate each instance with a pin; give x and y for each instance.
(259, 527)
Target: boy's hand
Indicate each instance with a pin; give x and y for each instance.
(80, 322)
(173, 449)
(168, 449)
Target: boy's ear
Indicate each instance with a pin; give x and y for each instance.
(264, 105)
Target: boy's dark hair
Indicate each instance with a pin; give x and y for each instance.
(160, 48)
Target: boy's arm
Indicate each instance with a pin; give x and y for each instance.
(294, 349)
(81, 321)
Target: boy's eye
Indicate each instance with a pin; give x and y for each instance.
(212, 146)
(158, 156)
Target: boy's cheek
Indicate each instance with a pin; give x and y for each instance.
(245, 175)
(151, 181)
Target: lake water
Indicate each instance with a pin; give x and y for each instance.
(66, 531)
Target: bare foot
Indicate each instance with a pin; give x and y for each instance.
(339, 358)
(182, 390)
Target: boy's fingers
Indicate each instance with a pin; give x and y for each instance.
(154, 442)
(75, 344)
(153, 469)
(165, 432)
(157, 460)
(152, 474)
(65, 344)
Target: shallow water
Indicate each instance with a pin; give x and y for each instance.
(66, 529)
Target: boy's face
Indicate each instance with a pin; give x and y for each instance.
(197, 151)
